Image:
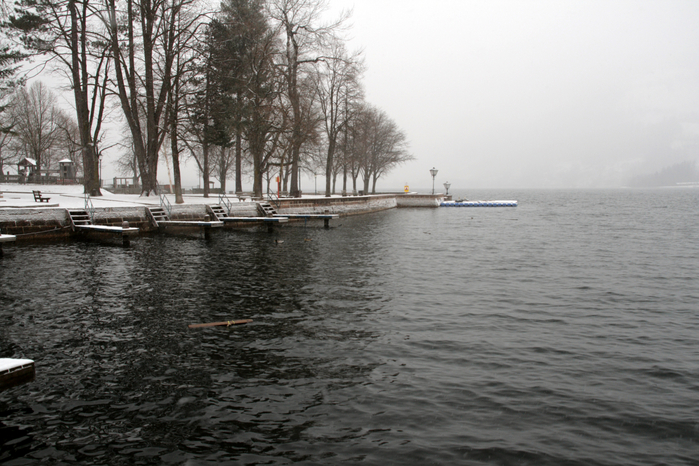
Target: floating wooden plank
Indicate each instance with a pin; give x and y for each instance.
(15, 372)
(219, 324)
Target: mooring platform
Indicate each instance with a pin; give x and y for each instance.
(190, 223)
(6, 239)
(478, 204)
(108, 229)
(15, 371)
(312, 216)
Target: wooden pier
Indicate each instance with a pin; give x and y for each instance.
(81, 221)
(270, 221)
(6, 239)
(161, 219)
(311, 216)
(15, 372)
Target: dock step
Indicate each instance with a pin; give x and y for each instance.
(157, 215)
(266, 209)
(217, 211)
(79, 217)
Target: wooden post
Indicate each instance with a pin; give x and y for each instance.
(207, 228)
(124, 236)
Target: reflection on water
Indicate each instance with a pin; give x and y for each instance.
(559, 332)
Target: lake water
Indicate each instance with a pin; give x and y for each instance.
(560, 332)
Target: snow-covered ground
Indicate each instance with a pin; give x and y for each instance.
(20, 195)
(71, 196)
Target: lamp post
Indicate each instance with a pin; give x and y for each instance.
(447, 185)
(433, 171)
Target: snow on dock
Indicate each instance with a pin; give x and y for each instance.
(498, 203)
(15, 371)
(6, 239)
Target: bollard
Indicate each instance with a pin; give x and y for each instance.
(207, 228)
(126, 241)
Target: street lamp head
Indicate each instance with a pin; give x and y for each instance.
(433, 171)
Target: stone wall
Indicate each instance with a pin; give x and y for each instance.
(115, 216)
(338, 205)
(35, 224)
(244, 209)
(418, 200)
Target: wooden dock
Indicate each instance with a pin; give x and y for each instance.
(81, 221)
(270, 221)
(312, 216)
(6, 239)
(15, 372)
(188, 225)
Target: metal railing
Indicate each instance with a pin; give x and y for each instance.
(89, 207)
(225, 202)
(165, 202)
(274, 199)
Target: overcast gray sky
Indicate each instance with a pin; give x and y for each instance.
(511, 94)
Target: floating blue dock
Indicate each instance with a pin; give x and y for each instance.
(459, 203)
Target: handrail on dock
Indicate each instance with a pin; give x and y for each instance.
(89, 207)
(225, 202)
(164, 202)
(273, 198)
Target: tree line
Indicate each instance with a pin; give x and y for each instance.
(266, 88)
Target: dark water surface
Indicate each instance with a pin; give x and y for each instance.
(560, 332)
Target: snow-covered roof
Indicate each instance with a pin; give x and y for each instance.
(65, 161)
(28, 161)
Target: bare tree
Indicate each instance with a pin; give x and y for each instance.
(186, 44)
(299, 22)
(38, 123)
(69, 34)
(143, 38)
(338, 88)
(385, 147)
(222, 163)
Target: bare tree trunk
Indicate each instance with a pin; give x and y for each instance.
(205, 168)
(80, 80)
(344, 180)
(223, 169)
(238, 161)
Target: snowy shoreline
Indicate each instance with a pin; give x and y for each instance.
(28, 220)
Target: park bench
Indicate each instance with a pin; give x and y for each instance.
(39, 198)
